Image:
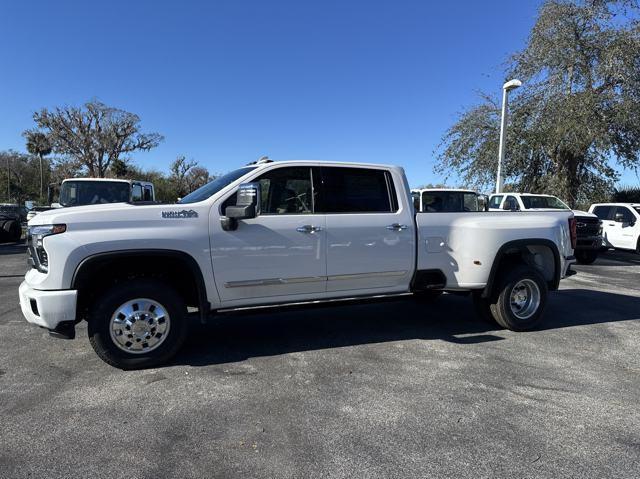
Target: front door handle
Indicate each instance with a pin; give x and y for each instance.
(397, 227)
(308, 229)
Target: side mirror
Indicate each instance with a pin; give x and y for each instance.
(618, 218)
(247, 206)
(483, 202)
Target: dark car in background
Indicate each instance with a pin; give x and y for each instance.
(12, 217)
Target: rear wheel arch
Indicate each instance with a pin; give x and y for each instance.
(540, 253)
(179, 269)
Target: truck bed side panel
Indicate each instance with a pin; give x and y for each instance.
(464, 245)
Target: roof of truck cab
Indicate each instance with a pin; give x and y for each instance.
(522, 194)
(454, 190)
(635, 205)
(112, 180)
(325, 163)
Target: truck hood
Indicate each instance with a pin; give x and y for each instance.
(584, 213)
(117, 213)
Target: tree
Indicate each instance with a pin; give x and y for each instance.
(119, 168)
(94, 135)
(196, 177)
(38, 144)
(578, 111)
(18, 176)
(179, 169)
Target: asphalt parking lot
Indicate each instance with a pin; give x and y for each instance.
(397, 389)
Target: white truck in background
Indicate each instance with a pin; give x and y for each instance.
(620, 225)
(275, 234)
(94, 191)
(588, 225)
(448, 200)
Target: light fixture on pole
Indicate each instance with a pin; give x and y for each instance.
(506, 88)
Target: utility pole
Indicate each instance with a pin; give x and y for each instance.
(510, 85)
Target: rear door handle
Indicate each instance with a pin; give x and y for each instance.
(397, 227)
(308, 229)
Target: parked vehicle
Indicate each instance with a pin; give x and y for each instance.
(93, 191)
(589, 227)
(445, 200)
(10, 223)
(620, 224)
(13, 209)
(273, 234)
(35, 210)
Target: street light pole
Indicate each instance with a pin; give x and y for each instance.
(510, 85)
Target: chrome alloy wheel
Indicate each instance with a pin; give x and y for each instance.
(139, 326)
(525, 298)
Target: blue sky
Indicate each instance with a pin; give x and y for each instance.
(228, 81)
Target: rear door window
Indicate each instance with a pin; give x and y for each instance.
(357, 190)
(627, 215)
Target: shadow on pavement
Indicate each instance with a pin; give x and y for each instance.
(615, 257)
(450, 318)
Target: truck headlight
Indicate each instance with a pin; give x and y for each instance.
(35, 238)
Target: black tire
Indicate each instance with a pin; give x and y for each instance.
(501, 307)
(586, 256)
(105, 306)
(482, 307)
(427, 296)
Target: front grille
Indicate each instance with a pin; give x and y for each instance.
(587, 226)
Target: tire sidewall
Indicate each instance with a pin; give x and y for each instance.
(501, 308)
(106, 305)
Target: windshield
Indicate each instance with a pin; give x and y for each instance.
(76, 193)
(549, 202)
(216, 185)
(449, 202)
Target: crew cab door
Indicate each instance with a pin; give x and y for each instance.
(622, 234)
(279, 255)
(370, 233)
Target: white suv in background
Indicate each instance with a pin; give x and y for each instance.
(620, 224)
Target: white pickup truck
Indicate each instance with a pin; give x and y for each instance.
(278, 233)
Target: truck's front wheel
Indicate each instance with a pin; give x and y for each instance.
(137, 324)
(520, 299)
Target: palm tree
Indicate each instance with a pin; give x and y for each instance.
(38, 144)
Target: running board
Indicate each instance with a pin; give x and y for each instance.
(317, 302)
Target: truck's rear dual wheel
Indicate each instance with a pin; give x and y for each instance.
(519, 300)
(138, 324)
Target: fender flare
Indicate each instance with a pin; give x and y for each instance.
(519, 245)
(204, 307)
